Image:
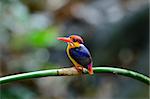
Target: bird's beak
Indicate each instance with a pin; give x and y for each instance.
(65, 39)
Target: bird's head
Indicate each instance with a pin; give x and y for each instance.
(73, 40)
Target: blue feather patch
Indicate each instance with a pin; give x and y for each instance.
(81, 55)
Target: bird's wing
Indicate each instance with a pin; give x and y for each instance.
(81, 55)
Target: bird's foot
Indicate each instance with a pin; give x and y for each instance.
(80, 69)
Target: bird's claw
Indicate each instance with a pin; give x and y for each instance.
(80, 69)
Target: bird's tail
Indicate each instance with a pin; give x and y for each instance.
(90, 70)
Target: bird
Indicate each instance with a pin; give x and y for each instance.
(78, 53)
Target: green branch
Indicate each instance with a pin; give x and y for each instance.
(72, 71)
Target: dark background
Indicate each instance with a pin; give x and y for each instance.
(115, 31)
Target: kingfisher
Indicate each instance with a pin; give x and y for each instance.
(78, 53)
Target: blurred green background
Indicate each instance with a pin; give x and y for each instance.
(115, 31)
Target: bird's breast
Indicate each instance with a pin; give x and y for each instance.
(70, 57)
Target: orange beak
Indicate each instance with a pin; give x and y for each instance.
(65, 39)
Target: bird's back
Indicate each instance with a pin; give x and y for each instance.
(80, 55)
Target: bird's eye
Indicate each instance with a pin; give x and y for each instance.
(77, 40)
(74, 40)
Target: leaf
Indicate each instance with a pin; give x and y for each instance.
(38, 38)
